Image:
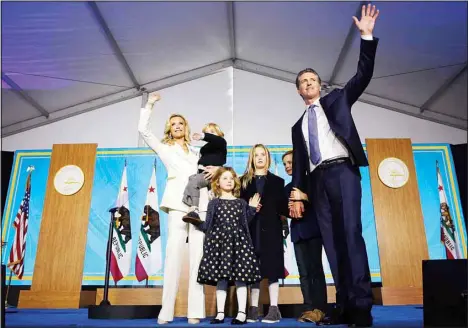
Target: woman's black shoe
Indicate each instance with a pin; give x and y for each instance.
(238, 322)
(217, 321)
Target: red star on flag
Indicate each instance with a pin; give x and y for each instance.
(441, 188)
(125, 189)
(151, 189)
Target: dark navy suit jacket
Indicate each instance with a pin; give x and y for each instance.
(306, 227)
(337, 107)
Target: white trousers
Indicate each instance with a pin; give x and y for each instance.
(177, 235)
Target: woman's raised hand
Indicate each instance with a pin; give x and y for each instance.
(152, 98)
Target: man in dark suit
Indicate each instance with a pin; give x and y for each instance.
(305, 235)
(327, 154)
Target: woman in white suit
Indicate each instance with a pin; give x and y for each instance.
(180, 160)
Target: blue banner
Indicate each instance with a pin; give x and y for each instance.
(140, 162)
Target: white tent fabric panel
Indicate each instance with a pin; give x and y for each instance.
(160, 39)
(5, 85)
(413, 89)
(70, 57)
(293, 36)
(191, 101)
(22, 109)
(450, 102)
(416, 36)
(57, 40)
(56, 94)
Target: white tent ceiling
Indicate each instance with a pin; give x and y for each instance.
(64, 58)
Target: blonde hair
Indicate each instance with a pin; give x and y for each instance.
(215, 181)
(250, 169)
(215, 127)
(168, 139)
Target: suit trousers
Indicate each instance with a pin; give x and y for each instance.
(311, 276)
(336, 197)
(177, 236)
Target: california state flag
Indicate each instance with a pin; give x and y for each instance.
(447, 228)
(149, 251)
(122, 234)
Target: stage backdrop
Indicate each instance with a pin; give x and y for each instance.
(140, 165)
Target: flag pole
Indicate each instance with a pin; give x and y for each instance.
(9, 282)
(105, 299)
(107, 311)
(146, 285)
(8, 290)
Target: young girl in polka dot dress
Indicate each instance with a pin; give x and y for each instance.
(228, 253)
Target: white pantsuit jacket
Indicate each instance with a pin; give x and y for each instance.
(179, 165)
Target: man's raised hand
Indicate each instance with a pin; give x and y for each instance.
(368, 18)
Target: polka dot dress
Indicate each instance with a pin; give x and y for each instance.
(227, 252)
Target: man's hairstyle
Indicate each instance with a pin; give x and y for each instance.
(307, 70)
(289, 152)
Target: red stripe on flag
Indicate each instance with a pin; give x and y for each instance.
(448, 253)
(114, 269)
(18, 249)
(140, 271)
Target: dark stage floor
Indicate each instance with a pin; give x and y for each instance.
(384, 316)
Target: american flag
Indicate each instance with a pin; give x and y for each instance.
(16, 260)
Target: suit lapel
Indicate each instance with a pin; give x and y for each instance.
(299, 122)
(326, 103)
(298, 129)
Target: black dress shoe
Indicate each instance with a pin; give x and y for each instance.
(363, 323)
(217, 321)
(361, 318)
(327, 321)
(238, 322)
(335, 317)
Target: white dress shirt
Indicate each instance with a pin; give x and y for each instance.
(330, 146)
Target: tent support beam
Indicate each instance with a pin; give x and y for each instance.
(116, 97)
(366, 98)
(346, 46)
(232, 28)
(20, 92)
(167, 82)
(113, 43)
(444, 87)
(267, 71)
